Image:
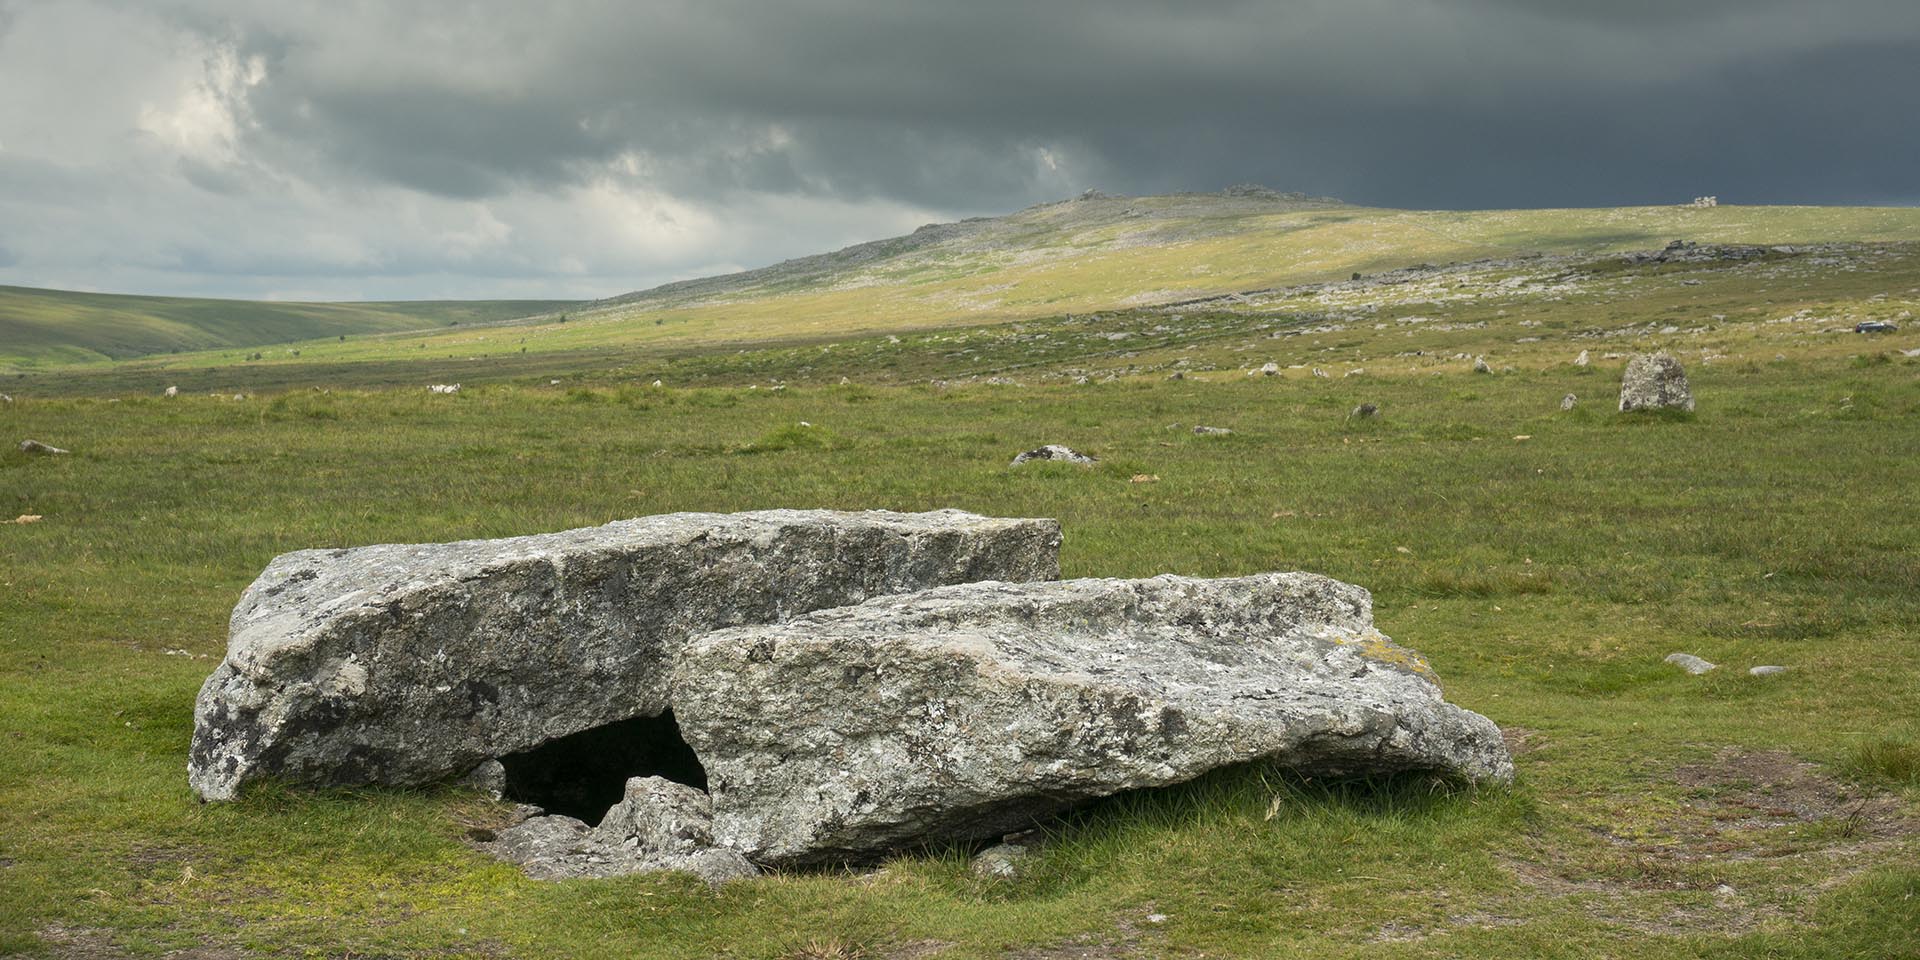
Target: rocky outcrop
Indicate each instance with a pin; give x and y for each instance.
(410, 664)
(969, 711)
(1654, 382)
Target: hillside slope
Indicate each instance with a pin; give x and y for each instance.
(1090, 254)
(60, 326)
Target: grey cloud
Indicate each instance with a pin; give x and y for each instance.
(378, 128)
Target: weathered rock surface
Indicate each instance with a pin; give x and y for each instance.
(658, 825)
(36, 447)
(1769, 670)
(1654, 382)
(1569, 401)
(967, 711)
(1055, 452)
(410, 664)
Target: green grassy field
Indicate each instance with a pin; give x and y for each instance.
(40, 328)
(1544, 562)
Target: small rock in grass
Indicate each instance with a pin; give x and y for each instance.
(26, 518)
(1269, 370)
(1176, 375)
(1212, 431)
(1480, 365)
(1001, 861)
(35, 446)
(1690, 663)
(1581, 360)
(1322, 374)
(1365, 411)
(1769, 670)
(1054, 451)
(171, 392)
(1569, 401)
(444, 388)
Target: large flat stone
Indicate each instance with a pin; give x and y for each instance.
(969, 711)
(408, 664)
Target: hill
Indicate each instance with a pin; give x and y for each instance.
(61, 326)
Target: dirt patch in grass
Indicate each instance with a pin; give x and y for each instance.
(1749, 835)
(1741, 793)
(80, 943)
(1522, 740)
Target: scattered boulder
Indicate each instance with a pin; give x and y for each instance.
(968, 711)
(1690, 663)
(411, 664)
(1569, 401)
(1177, 375)
(1269, 369)
(1581, 360)
(444, 388)
(1654, 382)
(40, 449)
(1212, 431)
(4, 398)
(171, 392)
(1480, 365)
(1056, 452)
(1322, 374)
(1769, 670)
(1365, 411)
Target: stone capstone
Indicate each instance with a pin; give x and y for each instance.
(1654, 382)
(412, 664)
(968, 711)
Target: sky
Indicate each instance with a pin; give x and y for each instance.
(584, 148)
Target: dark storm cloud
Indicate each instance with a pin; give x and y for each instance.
(617, 143)
(941, 104)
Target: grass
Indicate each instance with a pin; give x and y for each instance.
(40, 328)
(1544, 579)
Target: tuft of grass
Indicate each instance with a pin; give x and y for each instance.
(1888, 760)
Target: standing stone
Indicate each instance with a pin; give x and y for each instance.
(1655, 382)
(1581, 360)
(968, 711)
(1480, 365)
(410, 664)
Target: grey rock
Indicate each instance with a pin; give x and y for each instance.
(1055, 452)
(1582, 360)
(40, 449)
(411, 664)
(1690, 663)
(1654, 382)
(1002, 861)
(1177, 375)
(658, 825)
(1569, 401)
(1770, 670)
(490, 778)
(171, 392)
(1365, 411)
(1212, 431)
(1480, 365)
(966, 711)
